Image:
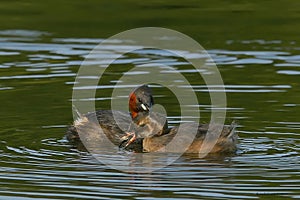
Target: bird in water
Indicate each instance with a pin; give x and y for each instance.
(142, 130)
(120, 127)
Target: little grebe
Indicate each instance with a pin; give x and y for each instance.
(148, 131)
(121, 127)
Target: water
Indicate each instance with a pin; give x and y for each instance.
(261, 76)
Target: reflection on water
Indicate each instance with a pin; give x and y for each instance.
(36, 79)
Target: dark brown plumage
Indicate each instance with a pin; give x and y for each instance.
(150, 130)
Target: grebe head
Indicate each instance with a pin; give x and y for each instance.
(140, 103)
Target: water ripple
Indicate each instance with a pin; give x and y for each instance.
(288, 72)
(265, 166)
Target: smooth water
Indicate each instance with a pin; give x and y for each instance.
(262, 80)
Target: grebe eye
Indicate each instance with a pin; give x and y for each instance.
(140, 100)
